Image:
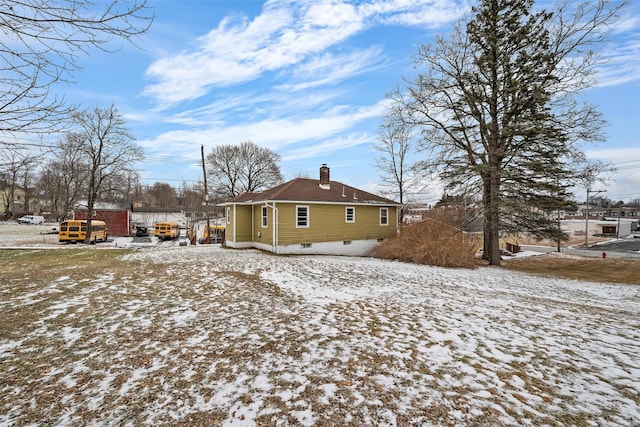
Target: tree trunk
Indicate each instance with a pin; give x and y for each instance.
(493, 218)
(491, 228)
(91, 200)
(485, 229)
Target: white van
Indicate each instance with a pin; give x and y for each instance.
(31, 219)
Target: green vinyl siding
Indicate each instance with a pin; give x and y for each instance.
(242, 222)
(262, 234)
(327, 223)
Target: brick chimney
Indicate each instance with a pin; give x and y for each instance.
(324, 177)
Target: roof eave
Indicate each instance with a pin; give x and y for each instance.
(326, 202)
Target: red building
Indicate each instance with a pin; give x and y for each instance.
(118, 219)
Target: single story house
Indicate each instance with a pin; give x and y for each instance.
(309, 216)
(598, 227)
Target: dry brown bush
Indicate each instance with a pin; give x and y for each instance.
(431, 242)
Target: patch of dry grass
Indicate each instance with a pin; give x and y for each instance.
(608, 270)
(200, 337)
(17, 262)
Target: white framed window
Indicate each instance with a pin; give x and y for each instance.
(350, 214)
(384, 216)
(228, 215)
(302, 216)
(265, 217)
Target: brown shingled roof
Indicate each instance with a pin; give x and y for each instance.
(310, 190)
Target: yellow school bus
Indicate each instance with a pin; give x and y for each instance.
(166, 230)
(216, 234)
(75, 230)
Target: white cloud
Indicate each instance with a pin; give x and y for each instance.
(622, 53)
(615, 155)
(288, 136)
(241, 50)
(622, 182)
(328, 69)
(325, 147)
(432, 13)
(622, 63)
(283, 35)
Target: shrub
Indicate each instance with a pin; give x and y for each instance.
(430, 242)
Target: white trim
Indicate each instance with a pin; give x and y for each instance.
(308, 216)
(346, 214)
(387, 216)
(274, 224)
(264, 216)
(351, 202)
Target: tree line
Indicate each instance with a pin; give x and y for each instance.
(97, 163)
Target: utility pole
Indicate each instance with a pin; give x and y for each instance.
(618, 228)
(586, 218)
(206, 196)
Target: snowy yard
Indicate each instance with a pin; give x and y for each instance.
(207, 336)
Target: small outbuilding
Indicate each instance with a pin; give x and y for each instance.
(118, 218)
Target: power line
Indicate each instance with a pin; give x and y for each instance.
(170, 179)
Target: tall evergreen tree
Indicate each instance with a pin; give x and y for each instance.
(497, 107)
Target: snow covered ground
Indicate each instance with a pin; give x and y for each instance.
(226, 337)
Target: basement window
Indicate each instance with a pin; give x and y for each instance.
(346, 242)
(305, 245)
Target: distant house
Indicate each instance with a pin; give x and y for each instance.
(309, 216)
(23, 202)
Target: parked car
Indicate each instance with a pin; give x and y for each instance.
(141, 231)
(31, 219)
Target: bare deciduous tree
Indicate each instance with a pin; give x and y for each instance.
(109, 150)
(42, 42)
(16, 168)
(63, 178)
(236, 169)
(395, 145)
(162, 194)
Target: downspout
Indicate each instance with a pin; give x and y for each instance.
(235, 220)
(275, 227)
(274, 233)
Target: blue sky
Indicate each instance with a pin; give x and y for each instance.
(308, 79)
